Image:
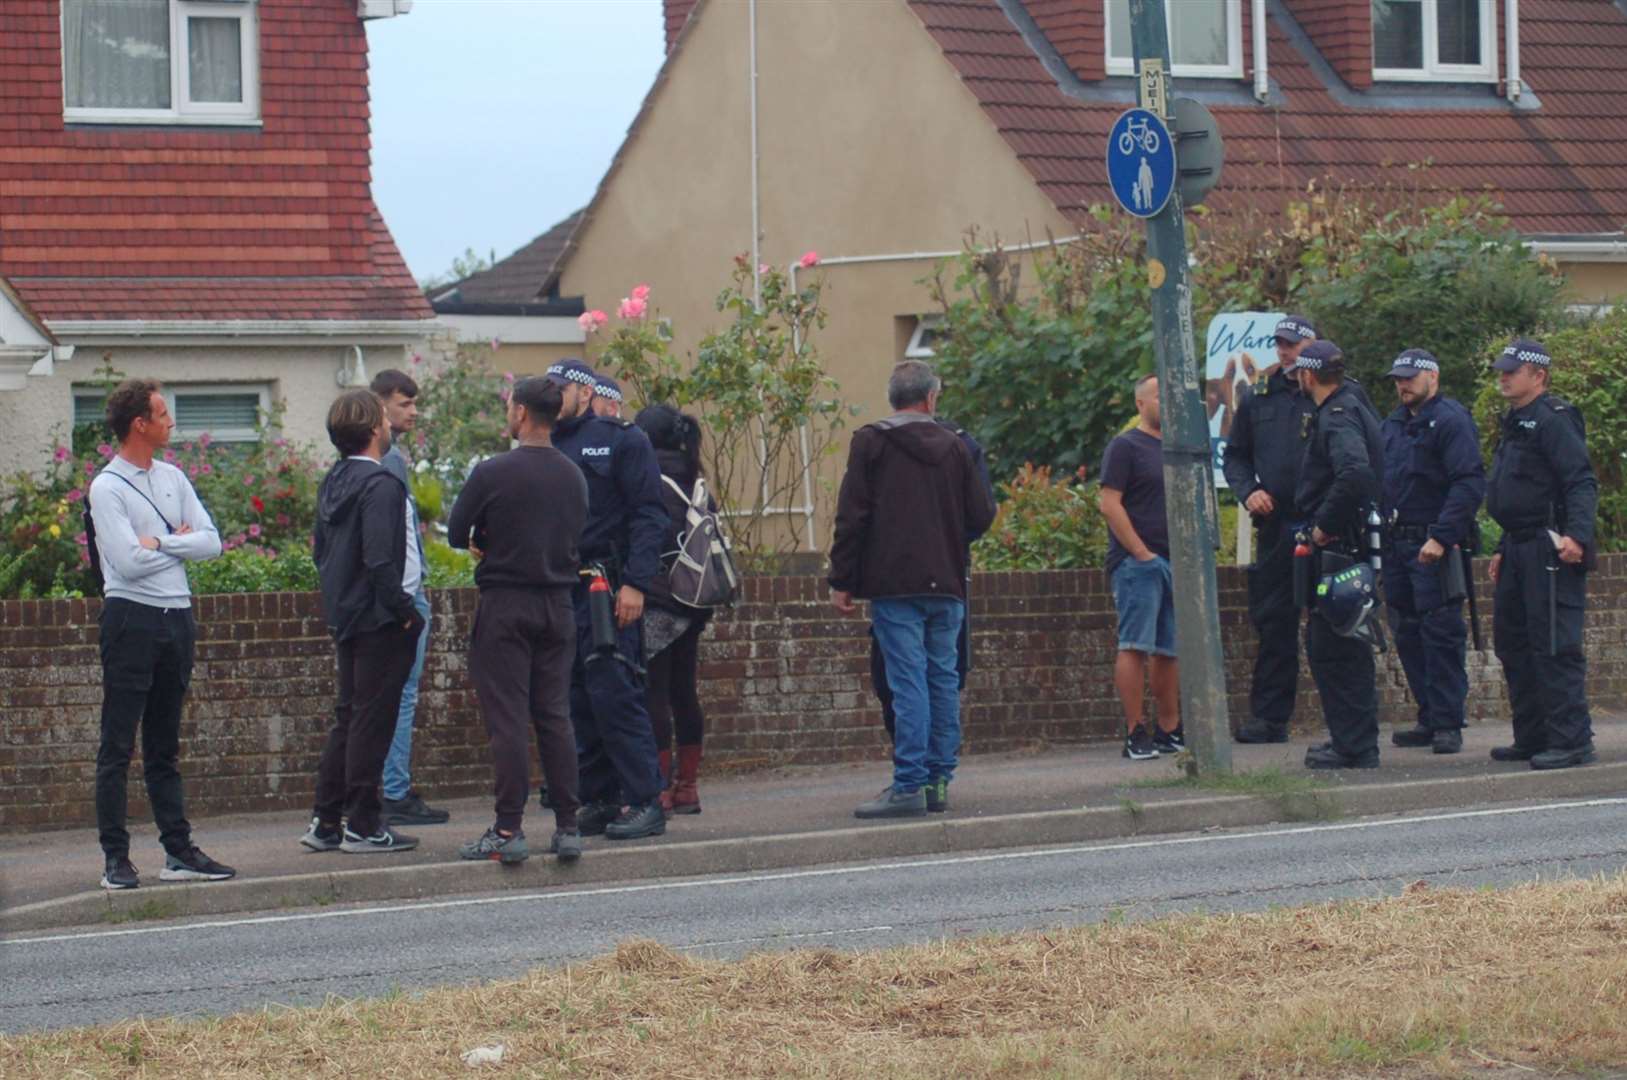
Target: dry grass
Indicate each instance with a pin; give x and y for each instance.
(1433, 983)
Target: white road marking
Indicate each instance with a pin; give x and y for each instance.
(784, 937)
(558, 894)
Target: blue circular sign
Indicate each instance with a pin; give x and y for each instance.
(1141, 162)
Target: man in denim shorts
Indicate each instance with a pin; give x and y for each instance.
(1132, 502)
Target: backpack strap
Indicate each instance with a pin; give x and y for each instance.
(143, 495)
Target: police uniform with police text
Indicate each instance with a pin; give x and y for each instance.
(1434, 482)
(1542, 480)
(1338, 484)
(627, 522)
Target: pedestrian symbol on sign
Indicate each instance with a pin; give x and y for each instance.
(1141, 162)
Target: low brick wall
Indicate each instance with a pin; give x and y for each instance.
(784, 680)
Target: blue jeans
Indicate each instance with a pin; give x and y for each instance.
(1144, 596)
(398, 765)
(917, 635)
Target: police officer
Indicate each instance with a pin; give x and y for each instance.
(1545, 496)
(1261, 462)
(1338, 486)
(607, 399)
(1433, 484)
(626, 524)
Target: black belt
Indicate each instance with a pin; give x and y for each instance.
(1523, 536)
(1409, 532)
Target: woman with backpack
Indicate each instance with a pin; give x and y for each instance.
(672, 629)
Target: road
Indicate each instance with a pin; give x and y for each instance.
(225, 965)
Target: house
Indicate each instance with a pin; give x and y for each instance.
(185, 193)
(876, 133)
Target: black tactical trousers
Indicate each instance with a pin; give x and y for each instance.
(1431, 636)
(1272, 611)
(1542, 659)
(1345, 678)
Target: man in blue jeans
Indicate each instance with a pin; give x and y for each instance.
(910, 501)
(1132, 503)
(402, 804)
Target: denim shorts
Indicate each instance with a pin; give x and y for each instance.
(1144, 595)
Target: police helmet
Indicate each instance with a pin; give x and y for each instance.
(1346, 599)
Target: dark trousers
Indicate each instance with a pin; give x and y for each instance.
(884, 693)
(615, 746)
(146, 669)
(520, 657)
(674, 695)
(1431, 636)
(1345, 677)
(373, 669)
(1272, 611)
(1542, 659)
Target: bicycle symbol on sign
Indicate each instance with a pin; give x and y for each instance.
(1138, 131)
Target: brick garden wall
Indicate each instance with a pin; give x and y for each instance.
(785, 680)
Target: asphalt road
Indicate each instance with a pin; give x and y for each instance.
(227, 965)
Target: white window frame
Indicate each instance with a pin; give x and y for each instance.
(1125, 65)
(224, 435)
(183, 110)
(1433, 71)
(917, 349)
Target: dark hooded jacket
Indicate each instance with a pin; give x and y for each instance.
(361, 548)
(911, 499)
(676, 465)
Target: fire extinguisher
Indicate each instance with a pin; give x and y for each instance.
(1304, 567)
(601, 610)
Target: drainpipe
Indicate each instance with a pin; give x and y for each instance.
(1262, 77)
(1511, 28)
(756, 201)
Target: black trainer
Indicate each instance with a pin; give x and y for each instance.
(120, 874)
(1417, 735)
(1326, 757)
(193, 865)
(636, 822)
(937, 795)
(385, 841)
(492, 845)
(1564, 759)
(1138, 745)
(1170, 742)
(413, 810)
(1447, 741)
(320, 837)
(565, 846)
(593, 817)
(1256, 731)
(1515, 752)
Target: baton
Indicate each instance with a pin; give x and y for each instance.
(1474, 605)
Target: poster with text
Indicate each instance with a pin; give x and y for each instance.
(1240, 350)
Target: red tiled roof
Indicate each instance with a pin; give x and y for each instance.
(521, 278)
(275, 222)
(674, 13)
(1560, 169)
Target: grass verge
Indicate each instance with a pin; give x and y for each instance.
(1431, 983)
(1299, 796)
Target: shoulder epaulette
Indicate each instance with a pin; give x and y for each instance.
(624, 423)
(1262, 385)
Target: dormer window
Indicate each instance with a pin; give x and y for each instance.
(1205, 38)
(1435, 40)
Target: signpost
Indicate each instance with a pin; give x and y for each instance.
(1188, 481)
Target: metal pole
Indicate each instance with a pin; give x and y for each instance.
(1188, 470)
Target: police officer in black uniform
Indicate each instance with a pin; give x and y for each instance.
(1338, 487)
(1261, 462)
(1433, 484)
(626, 524)
(1545, 496)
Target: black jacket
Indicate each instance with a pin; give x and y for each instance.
(911, 500)
(675, 465)
(626, 517)
(1339, 480)
(361, 549)
(1266, 444)
(1541, 477)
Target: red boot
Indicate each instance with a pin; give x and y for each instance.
(665, 759)
(685, 798)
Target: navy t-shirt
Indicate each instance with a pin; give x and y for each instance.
(1134, 465)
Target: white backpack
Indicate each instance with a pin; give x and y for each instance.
(703, 573)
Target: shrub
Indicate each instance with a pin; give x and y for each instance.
(447, 567)
(1046, 521)
(251, 568)
(462, 415)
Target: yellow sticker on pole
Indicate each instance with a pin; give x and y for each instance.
(1155, 274)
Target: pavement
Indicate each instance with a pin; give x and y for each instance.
(796, 817)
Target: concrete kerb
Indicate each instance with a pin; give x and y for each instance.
(656, 862)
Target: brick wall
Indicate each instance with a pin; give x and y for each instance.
(785, 680)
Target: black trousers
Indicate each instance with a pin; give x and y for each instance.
(146, 669)
(373, 670)
(1271, 609)
(1346, 681)
(615, 745)
(674, 695)
(520, 655)
(1431, 636)
(1542, 658)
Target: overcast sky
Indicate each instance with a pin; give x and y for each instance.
(494, 119)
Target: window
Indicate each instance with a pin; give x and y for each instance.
(160, 61)
(1205, 38)
(1447, 40)
(929, 330)
(229, 413)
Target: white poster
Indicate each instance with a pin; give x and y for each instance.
(1241, 350)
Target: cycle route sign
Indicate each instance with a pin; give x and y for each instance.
(1141, 162)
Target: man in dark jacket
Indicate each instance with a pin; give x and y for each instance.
(910, 499)
(368, 574)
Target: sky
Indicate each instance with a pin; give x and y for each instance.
(494, 119)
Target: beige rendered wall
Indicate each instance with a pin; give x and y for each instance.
(1592, 283)
(869, 145)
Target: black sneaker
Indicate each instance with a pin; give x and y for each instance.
(496, 847)
(120, 874)
(592, 818)
(413, 810)
(1326, 757)
(1515, 752)
(321, 837)
(637, 822)
(1564, 759)
(193, 865)
(893, 803)
(1169, 742)
(566, 846)
(1447, 741)
(937, 795)
(1256, 731)
(1417, 735)
(1138, 745)
(384, 841)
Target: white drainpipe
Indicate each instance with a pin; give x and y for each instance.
(1262, 77)
(1511, 27)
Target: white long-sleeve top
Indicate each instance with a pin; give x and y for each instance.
(122, 517)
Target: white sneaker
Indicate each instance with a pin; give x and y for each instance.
(384, 841)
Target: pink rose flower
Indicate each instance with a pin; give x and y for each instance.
(204, 440)
(508, 376)
(207, 468)
(283, 520)
(593, 320)
(254, 530)
(105, 450)
(248, 481)
(192, 470)
(809, 260)
(75, 495)
(631, 308)
(61, 453)
(82, 540)
(169, 456)
(641, 292)
(763, 268)
(90, 468)
(496, 343)
(416, 359)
